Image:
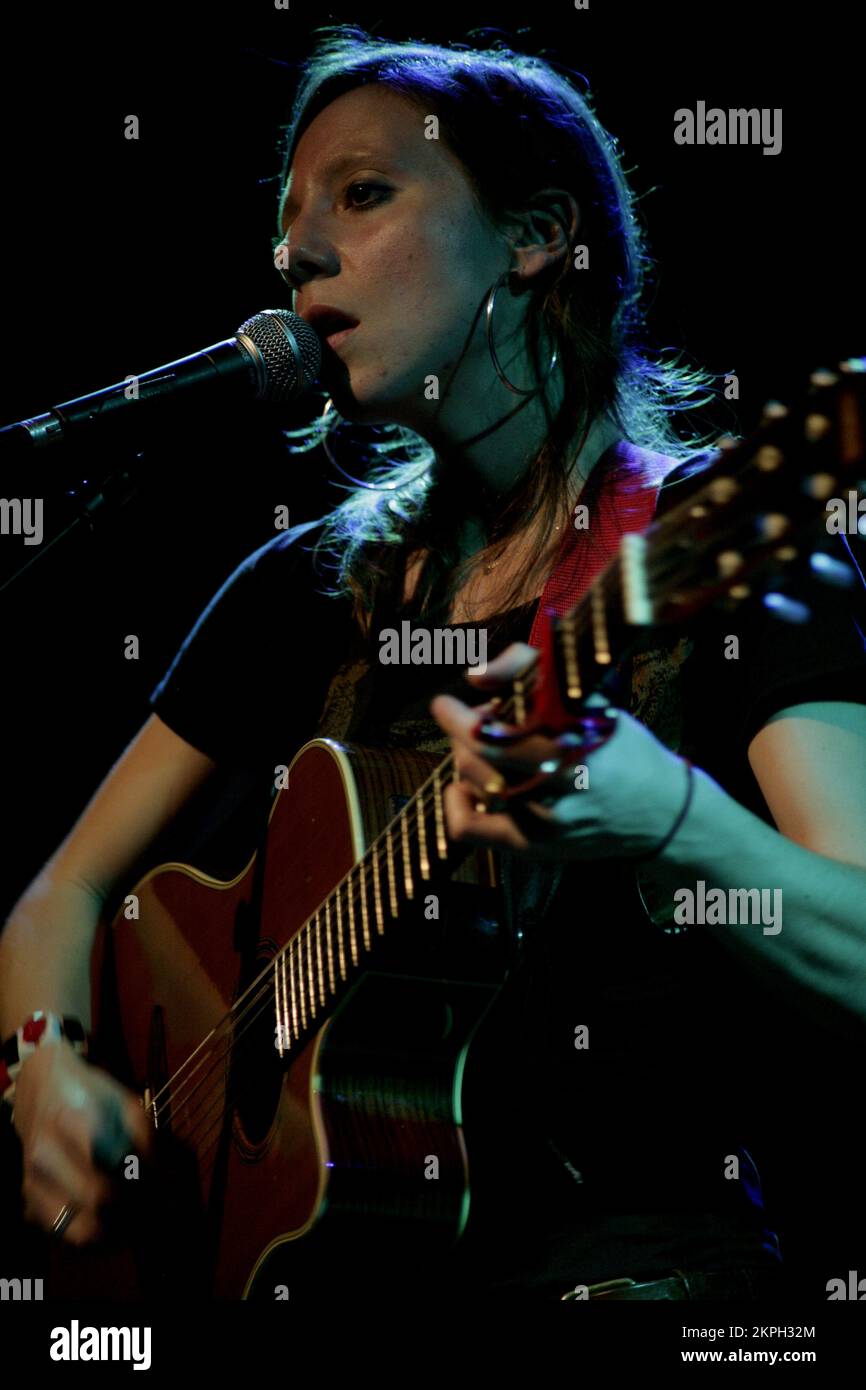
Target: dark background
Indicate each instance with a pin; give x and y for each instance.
(120, 255)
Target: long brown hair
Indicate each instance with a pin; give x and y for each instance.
(517, 125)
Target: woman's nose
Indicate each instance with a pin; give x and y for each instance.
(299, 262)
(282, 260)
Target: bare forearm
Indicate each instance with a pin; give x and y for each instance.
(817, 949)
(45, 952)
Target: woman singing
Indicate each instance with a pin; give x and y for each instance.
(456, 226)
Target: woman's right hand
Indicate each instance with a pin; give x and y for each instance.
(67, 1113)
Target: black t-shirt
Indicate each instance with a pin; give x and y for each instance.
(601, 1161)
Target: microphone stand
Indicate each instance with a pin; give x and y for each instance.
(92, 503)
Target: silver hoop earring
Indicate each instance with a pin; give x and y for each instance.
(359, 482)
(518, 390)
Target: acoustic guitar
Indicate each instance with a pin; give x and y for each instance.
(307, 1104)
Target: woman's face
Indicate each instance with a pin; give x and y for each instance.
(407, 253)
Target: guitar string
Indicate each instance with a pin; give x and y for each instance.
(266, 983)
(218, 1100)
(195, 1119)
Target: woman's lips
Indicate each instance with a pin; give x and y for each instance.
(335, 339)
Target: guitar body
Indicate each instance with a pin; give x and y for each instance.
(279, 1176)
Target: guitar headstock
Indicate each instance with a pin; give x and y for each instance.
(738, 526)
(745, 523)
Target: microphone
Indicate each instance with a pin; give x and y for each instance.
(274, 356)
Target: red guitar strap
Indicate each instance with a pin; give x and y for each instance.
(620, 495)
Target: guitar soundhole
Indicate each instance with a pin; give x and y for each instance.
(257, 1069)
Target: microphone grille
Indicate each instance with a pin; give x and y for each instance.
(274, 332)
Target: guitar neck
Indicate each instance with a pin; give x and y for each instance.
(407, 862)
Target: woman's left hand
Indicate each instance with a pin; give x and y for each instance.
(622, 804)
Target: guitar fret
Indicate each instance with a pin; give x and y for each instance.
(519, 688)
(377, 894)
(439, 816)
(408, 885)
(353, 940)
(392, 882)
(422, 837)
(365, 923)
(302, 990)
(320, 974)
(311, 1000)
(599, 626)
(291, 956)
(286, 1039)
(342, 953)
(289, 1012)
(330, 947)
(278, 1008)
(572, 672)
(637, 605)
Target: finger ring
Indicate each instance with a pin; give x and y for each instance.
(63, 1218)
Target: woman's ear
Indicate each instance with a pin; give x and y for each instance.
(546, 231)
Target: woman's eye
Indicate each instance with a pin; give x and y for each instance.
(376, 187)
(379, 191)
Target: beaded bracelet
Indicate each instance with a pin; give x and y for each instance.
(40, 1027)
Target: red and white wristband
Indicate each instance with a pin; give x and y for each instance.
(40, 1027)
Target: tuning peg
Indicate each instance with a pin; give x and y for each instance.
(774, 410)
(728, 562)
(820, 486)
(726, 443)
(721, 490)
(831, 571)
(822, 376)
(788, 609)
(769, 458)
(815, 427)
(773, 525)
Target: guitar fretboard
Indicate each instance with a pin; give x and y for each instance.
(311, 973)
